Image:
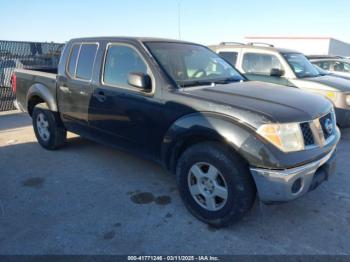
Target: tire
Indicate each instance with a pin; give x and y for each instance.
(194, 168)
(48, 127)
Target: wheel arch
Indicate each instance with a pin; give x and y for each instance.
(206, 127)
(39, 93)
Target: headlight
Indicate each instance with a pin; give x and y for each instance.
(347, 100)
(286, 137)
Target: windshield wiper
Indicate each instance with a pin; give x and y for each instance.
(196, 83)
(227, 80)
(210, 82)
(308, 76)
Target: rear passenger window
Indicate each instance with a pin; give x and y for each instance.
(120, 61)
(262, 64)
(86, 61)
(73, 59)
(230, 57)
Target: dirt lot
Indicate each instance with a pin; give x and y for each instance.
(91, 199)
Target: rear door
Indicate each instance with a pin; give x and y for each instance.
(74, 89)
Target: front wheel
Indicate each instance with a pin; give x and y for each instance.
(48, 128)
(215, 184)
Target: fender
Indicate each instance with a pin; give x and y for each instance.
(202, 126)
(44, 93)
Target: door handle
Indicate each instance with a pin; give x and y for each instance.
(100, 96)
(65, 89)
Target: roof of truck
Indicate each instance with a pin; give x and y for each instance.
(127, 38)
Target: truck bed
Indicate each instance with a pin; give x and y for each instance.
(27, 79)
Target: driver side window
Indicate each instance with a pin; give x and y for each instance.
(120, 61)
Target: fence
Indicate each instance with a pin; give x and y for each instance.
(28, 55)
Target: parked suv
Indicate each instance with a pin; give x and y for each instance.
(264, 62)
(182, 105)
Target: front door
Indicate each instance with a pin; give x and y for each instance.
(122, 114)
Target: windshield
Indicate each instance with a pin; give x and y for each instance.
(301, 65)
(191, 65)
(321, 70)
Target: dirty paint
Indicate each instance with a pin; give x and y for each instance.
(35, 182)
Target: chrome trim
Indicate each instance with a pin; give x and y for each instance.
(317, 131)
(275, 185)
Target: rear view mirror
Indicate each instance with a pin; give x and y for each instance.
(276, 72)
(140, 80)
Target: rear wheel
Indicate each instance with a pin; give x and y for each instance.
(48, 127)
(215, 184)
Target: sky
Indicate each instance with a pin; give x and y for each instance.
(202, 21)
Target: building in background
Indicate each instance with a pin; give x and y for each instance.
(306, 45)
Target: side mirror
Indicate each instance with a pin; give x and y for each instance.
(276, 72)
(140, 80)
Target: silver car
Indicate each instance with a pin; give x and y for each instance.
(336, 66)
(264, 62)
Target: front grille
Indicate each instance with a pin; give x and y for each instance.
(318, 131)
(307, 134)
(327, 125)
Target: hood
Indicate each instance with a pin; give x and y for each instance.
(332, 81)
(277, 103)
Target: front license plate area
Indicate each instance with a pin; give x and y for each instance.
(323, 173)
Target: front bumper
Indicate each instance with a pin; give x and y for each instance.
(289, 184)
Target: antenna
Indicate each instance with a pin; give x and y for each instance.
(179, 19)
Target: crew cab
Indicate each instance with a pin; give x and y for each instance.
(264, 62)
(178, 103)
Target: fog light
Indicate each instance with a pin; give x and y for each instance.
(296, 186)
